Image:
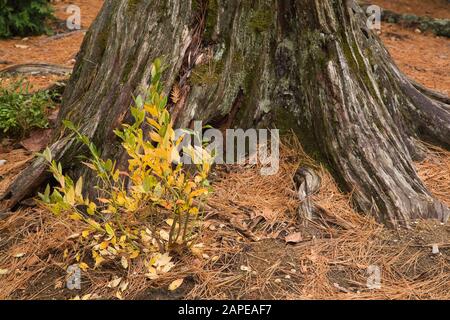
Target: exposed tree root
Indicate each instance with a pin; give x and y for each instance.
(36, 68)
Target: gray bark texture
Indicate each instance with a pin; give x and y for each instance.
(307, 65)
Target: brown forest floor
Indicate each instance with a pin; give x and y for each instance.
(331, 260)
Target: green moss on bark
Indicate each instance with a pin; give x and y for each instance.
(208, 73)
(261, 20)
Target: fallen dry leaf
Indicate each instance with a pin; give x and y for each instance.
(37, 141)
(246, 268)
(294, 238)
(175, 284)
(123, 286)
(19, 255)
(124, 262)
(3, 272)
(114, 283)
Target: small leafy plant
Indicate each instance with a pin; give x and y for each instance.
(20, 110)
(153, 207)
(24, 17)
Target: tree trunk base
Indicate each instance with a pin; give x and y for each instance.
(310, 66)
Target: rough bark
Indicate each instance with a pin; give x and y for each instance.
(306, 65)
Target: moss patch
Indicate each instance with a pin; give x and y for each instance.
(208, 73)
(132, 5)
(261, 20)
(211, 19)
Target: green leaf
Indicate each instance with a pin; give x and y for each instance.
(109, 230)
(69, 125)
(139, 102)
(149, 183)
(108, 165)
(46, 195)
(47, 154)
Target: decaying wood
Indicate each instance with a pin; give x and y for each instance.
(307, 65)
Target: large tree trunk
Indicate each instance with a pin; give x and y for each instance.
(309, 65)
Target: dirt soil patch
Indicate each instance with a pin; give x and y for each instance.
(423, 57)
(431, 8)
(56, 49)
(51, 49)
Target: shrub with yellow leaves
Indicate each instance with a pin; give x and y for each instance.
(151, 208)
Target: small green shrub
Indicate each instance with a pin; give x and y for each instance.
(20, 110)
(151, 208)
(24, 17)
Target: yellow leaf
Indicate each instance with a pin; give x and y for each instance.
(193, 211)
(134, 254)
(94, 224)
(75, 216)
(70, 196)
(198, 192)
(153, 123)
(155, 137)
(91, 208)
(85, 233)
(83, 266)
(119, 295)
(175, 284)
(151, 109)
(152, 274)
(98, 258)
(79, 187)
(114, 283)
(120, 200)
(109, 230)
(104, 245)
